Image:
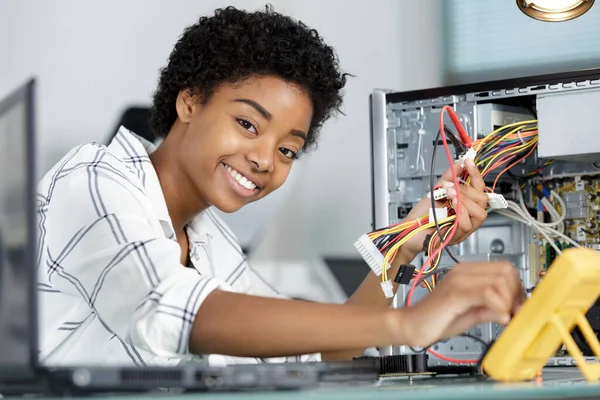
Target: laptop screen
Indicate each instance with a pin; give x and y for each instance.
(17, 294)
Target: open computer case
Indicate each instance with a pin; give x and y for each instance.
(566, 163)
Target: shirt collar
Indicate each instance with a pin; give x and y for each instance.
(135, 151)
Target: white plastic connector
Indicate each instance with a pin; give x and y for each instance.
(471, 153)
(438, 194)
(371, 254)
(496, 201)
(388, 289)
(440, 213)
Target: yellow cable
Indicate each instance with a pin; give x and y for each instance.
(391, 253)
(514, 150)
(480, 142)
(427, 284)
(521, 127)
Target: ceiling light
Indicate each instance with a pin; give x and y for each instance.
(554, 10)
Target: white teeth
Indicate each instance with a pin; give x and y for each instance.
(240, 179)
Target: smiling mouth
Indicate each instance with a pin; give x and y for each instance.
(240, 179)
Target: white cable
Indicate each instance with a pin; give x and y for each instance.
(568, 239)
(546, 226)
(543, 228)
(549, 240)
(563, 214)
(530, 221)
(524, 208)
(563, 206)
(516, 216)
(554, 214)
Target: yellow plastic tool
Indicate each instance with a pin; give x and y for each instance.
(557, 305)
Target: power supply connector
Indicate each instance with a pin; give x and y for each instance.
(496, 201)
(470, 154)
(371, 254)
(388, 289)
(440, 213)
(405, 274)
(438, 194)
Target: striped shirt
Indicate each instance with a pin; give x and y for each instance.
(111, 286)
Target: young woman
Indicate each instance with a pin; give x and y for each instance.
(135, 268)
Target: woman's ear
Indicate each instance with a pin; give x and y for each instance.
(186, 104)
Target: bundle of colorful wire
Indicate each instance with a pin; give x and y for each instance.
(389, 240)
(435, 242)
(504, 147)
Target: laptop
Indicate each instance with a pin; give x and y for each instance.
(20, 370)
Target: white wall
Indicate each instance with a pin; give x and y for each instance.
(94, 58)
(387, 44)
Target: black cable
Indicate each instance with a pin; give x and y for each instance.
(477, 339)
(437, 225)
(432, 184)
(459, 147)
(417, 351)
(486, 346)
(523, 179)
(433, 207)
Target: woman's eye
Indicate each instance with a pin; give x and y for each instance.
(247, 125)
(289, 153)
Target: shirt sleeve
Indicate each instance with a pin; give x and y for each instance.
(101, 244)
(261, 287)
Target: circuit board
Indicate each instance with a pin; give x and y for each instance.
(581, 197)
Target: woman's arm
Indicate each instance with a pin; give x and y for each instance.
(251, 326)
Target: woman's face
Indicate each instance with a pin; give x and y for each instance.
(241, 144)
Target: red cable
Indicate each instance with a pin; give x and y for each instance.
(399, 236)
(510, 166)
(464, 136)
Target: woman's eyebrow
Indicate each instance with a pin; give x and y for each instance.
(263, 111)
(267, 115)
(299, 133)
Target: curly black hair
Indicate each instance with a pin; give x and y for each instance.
(234, 45)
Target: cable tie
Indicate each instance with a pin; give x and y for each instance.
(520, 137)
